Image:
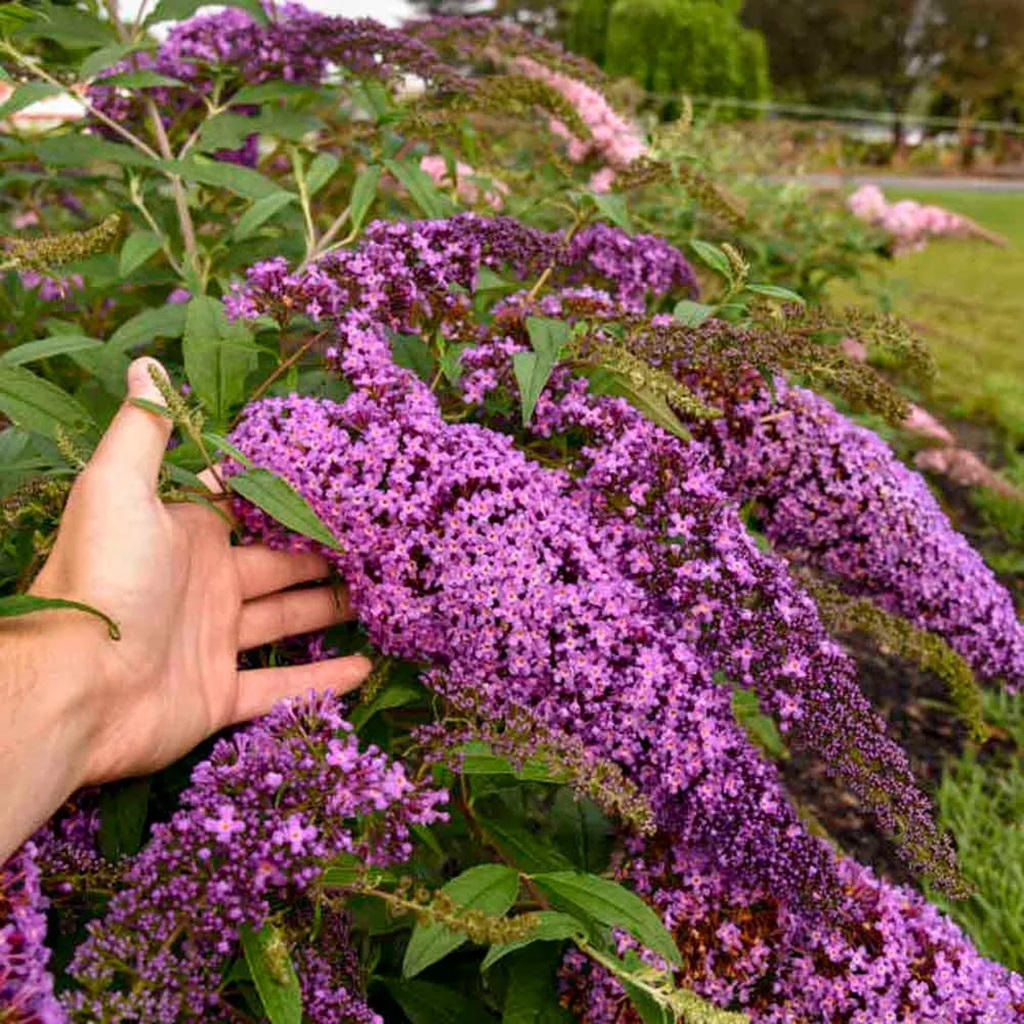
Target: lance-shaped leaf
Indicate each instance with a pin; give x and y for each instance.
(533, 369)
(595, 899)
(14, 605)
(282, 502)
(37, 404)
(491, 888)
(218, 355)
(273, 973)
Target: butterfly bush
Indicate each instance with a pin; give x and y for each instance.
(475, 40)
(230, 50)
(614, 141)
(832, 493)
(467, 190)
(911, 223)
(272, 805)
(583, 586)
(26, 988)
(887, 955)
(603, 597)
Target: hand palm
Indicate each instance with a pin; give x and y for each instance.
(186, 602)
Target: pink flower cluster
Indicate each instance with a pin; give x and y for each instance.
(911, 223)
(465, 187)
(613, 139)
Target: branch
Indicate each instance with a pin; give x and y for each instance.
(30, 65)
(188, 231)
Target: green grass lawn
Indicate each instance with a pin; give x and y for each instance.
(966, 298)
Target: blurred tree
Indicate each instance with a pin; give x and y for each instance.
(453, 7)
(981, 48)
(673, 46)
(981, 60)
(972, 49)
(813, 44)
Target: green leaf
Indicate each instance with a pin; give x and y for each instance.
(107, 56)
(348, 868)
(713, 257)
(423, 1002)
(547, 336)
(321, 170)
(282, 502)
(74, 150)
(517, 844)
(20, 459)
(413, 354)
(487, 281)
(26, 94)
(45, 348)
(692, 314)
(166, 322)
(15, 605)
(14, 16)
(143, 79)
(491, 888)
(71, 27)
(364, 191)
(532, 993)
(260, 212)
(179, 10)
(225, 447)
(775, 292)
(451, 361)
(758, 726)
(396, 694)
(533, 369)
(137, 248)
(655, 406)
(37, 404)
(611, 905)
(551, 927)
(123, 809)
(255, 95)
(648, 1010)
(582, 831)
(226, 131)
(243, 181)
(218, 356)
(532, 374)
(613, 207)
(273, 973)
(420, 186)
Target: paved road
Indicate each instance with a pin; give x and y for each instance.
(910, 184)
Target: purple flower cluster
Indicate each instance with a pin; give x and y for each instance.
(604, 598)
(832, 494)
(735, 606)
(26, 989)
(406, 274)
(68, 849)
(270, 808)
(476, 39)
(231, 50)
(330, 975)
(887, 955)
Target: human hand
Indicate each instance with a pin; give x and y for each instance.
(186, 602)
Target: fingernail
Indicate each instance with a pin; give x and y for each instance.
(140, 379)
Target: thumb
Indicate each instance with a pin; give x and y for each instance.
(136, 439)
